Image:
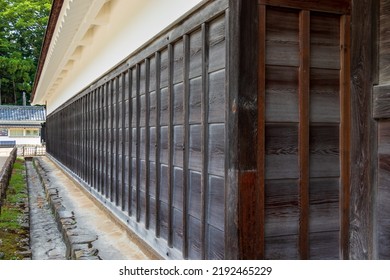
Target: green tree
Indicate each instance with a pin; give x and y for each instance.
(22, 28)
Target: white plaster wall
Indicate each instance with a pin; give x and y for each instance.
(132, 23)
(22, 140)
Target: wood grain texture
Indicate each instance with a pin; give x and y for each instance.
(381, 102)
(304, 138)
(360, 232)
(384, 43)
(342, 6)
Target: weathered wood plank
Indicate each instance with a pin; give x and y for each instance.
(324, 245)
(217, 97)
(346, 132)
(217, 44)
(324, 95)
(342, 6)
(281, 208)
(361, 184)
(216, 202)
(281, 96)
(325, 41)
(324, 215)
(381, 102)
(282, 42)
(216, 149)
(325, 151)
(281, 151)
(303, 135)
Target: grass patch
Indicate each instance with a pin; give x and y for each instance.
(12, 228)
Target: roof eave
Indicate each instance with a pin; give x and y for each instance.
(53, 18)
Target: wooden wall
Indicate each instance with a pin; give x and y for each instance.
(149, 137)
(304, 129)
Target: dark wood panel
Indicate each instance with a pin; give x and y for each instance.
(194, 244)
(217, 44)
(384, 43)
(381, 102)
(178, 145)
(216, 250)
(324, 151)
(216, 203)
(177, 229)
(164, 183)
(178, 60)
(281, 207)
(195, 63)
(281, 99)
(163, 220)
(217, 97)
(164, 106)
(324, 205)
(164, 68)
(281, 247)
(383, 192)
(177, 190)
(325, 245)
(178, 104)
(195, 100)
(216, 149)
(195, 150)
(362, 128)
(194, 192)
(324, 95)
(304, 139)
(282, 44)
(164, 145)
(325, 41)
(281, 149)
(341, 6)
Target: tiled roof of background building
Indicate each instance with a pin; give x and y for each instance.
(22, 113)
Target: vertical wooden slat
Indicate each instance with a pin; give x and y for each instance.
(261, 125)
(345, 133)
(186, 140)
(117, 140)
(303, 143)
(158, 133)
(112, 139)
(99, 139)
(123, 186)
(130, 163)
(170, 144)
(138, 131)
(205, 142)
(107, 134)
(147, 143)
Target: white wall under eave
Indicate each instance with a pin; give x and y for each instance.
(131, 24)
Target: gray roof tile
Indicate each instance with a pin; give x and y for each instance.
(22, 113)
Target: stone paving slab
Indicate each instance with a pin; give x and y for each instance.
(45, 239)
(90, 230)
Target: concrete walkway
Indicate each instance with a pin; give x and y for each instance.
(112, 241)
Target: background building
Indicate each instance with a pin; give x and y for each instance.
(21, 124)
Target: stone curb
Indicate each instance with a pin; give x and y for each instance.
(79, 245)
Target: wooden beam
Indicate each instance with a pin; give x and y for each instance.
(261, 128)
(339, 6)
(362, 130)
(345, 133)
(303, 142)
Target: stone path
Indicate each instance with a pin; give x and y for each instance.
(111, 240)
(45, 240)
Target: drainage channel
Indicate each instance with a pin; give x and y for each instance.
(45, 239)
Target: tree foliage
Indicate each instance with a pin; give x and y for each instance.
(22, 28)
